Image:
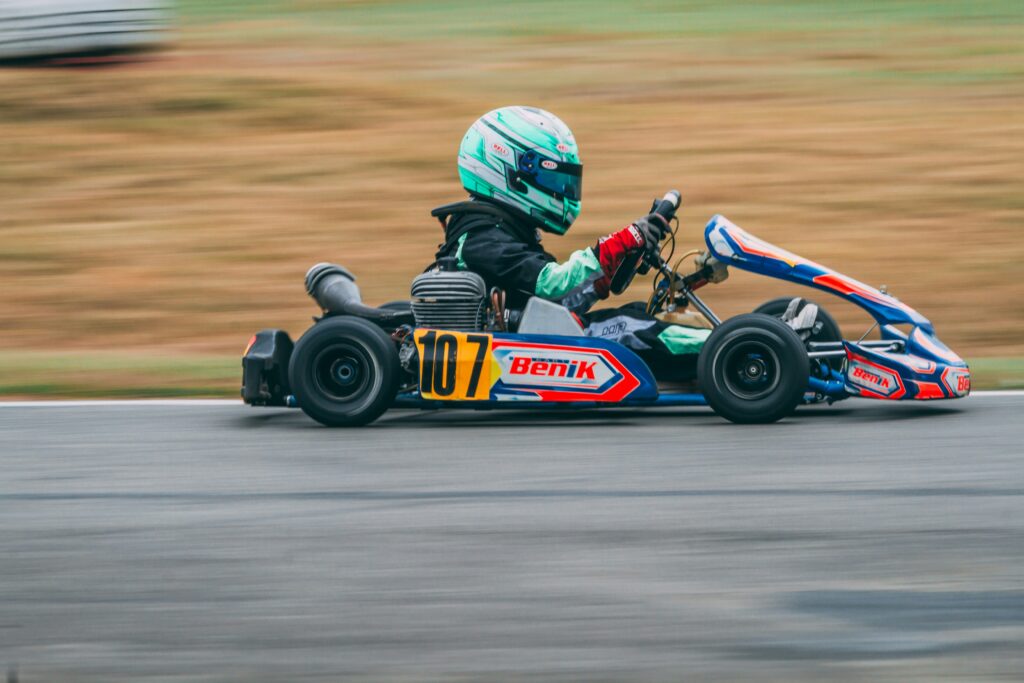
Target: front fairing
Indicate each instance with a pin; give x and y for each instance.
(924, 368)
(736, 247)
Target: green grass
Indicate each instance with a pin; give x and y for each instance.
(116, 375)
(997, 373)
(846, 39)
(28, 374)
(426, 19)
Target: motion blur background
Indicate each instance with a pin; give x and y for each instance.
(157, 207)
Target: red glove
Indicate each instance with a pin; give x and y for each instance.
(612, 249)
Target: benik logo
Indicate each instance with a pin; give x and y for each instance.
(870, 377)
(530, 371)
(571, 369)
(525, 365)
(874, 378)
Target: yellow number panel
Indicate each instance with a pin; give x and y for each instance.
(454, 366)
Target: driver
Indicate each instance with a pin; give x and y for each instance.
(522, 169)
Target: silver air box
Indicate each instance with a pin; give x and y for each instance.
(451, 300)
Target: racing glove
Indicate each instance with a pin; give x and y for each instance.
(611, 250)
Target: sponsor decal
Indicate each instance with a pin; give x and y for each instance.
(500, 148)
(622, 329)
(874, 380)
(612, 330)
(957, 381)
(570, 369)
(871, 378)
(562, 147)
(561, 373)
(548, 164)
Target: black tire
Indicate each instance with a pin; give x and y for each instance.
(829, 331)
(344, 372)
(753, 369)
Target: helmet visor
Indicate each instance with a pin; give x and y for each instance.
(561, 179)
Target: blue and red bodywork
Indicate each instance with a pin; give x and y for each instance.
(516, 370)
(512, 370)
(925, 369)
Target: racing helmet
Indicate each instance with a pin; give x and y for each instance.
(526, 158)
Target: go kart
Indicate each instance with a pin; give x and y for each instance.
(455, 345)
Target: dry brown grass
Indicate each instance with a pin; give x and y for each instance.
(175, 203)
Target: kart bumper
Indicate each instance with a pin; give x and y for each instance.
(265, 369)
(925, 370)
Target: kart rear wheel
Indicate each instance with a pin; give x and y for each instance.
(753, 369)
(344, 372)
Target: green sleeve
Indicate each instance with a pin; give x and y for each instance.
(558, 279)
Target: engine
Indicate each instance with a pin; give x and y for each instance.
(449, 299)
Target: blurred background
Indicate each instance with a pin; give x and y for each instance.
(169, 171)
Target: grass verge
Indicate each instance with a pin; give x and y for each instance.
(33, 374)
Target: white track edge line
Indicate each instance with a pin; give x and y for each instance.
(106, 403)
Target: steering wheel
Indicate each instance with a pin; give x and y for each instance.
(627, 270)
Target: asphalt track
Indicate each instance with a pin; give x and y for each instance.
(209, 542)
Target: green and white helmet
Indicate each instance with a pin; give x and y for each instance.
(528, 159)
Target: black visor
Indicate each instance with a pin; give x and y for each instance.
(559, 178)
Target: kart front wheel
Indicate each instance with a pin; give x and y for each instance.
(344, 372)
(753, 369)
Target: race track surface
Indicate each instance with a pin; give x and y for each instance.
(862, 542)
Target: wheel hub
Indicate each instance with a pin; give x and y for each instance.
(751, 370)
(342, 371)
(345, 372)
(755, 368)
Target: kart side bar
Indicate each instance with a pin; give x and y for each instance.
(836, 350)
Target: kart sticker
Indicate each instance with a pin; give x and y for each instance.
(454, 366)
(957, 380)
(551, 372)
(874, 380)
